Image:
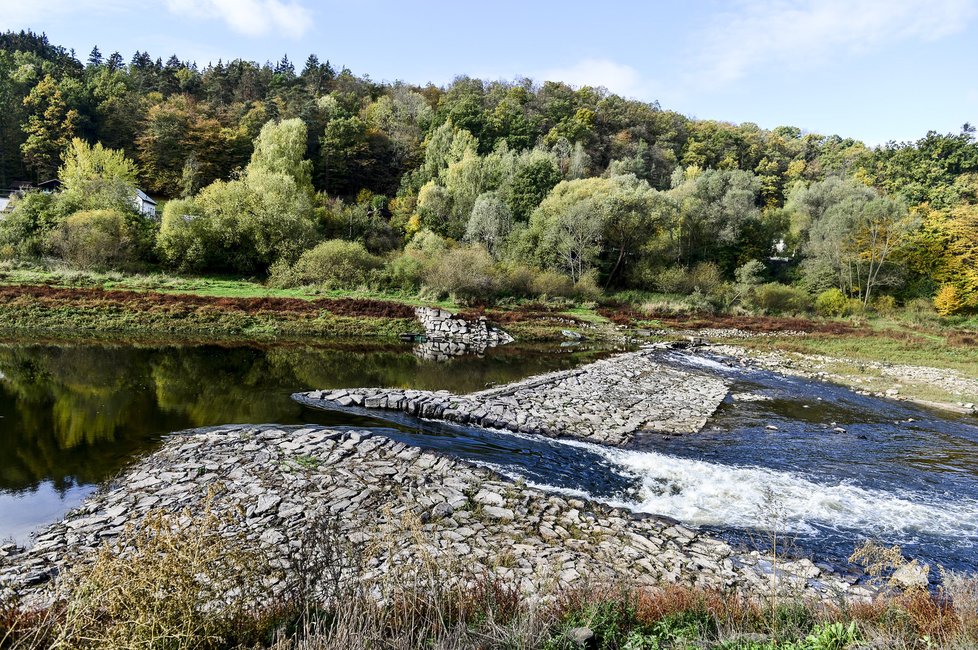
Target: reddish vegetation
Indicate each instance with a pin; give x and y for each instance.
(522, 314)
(624, 315)
(152, 301)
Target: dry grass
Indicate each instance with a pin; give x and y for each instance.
(182, 582)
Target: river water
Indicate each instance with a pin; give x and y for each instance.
(835, 469)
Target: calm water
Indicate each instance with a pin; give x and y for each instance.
(72, 416)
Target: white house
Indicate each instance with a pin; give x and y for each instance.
(144, 204)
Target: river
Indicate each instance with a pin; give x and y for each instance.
(818, 464)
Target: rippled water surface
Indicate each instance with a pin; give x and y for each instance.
(835, 468)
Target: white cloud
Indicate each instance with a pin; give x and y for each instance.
(18, 14)
(249, 17)
(802, 33)
(616, 77)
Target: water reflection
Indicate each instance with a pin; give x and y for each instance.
(75, 414)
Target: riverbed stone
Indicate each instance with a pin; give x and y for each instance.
(608, 402)
(397, 509)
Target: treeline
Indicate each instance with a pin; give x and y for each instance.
(478, 189)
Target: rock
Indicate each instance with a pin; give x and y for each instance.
(488, 498)
(912, 575)
(266, 502)
(442, 510)
(579, 635)
(499, 513)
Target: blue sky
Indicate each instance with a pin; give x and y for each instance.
(872, 69)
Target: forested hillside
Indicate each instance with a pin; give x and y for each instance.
(306, 174)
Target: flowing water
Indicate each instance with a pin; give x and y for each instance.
(838, 468)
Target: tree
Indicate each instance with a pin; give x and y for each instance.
(98, 177)
(851, 233)
(50, 125)
(532, 181)
(281, 148)
(490, 223)
(715, 210)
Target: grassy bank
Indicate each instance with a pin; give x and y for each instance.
(73, 302)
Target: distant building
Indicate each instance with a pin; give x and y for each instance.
(50, 187)
(144, 204)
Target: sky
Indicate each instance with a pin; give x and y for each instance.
(876, 70)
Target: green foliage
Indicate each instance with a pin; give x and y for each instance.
(26, 230)
(334, 263)
(596, 186)
(98, 239)
(832, 302)
(490, 223)
(464, 273)
(775, 298)
(50, 125)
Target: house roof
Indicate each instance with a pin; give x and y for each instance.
(144, 197)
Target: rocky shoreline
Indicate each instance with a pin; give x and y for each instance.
(607, 402)
(397, 504)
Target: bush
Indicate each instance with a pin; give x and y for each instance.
(403, 272)
(672, 280)
(588, 288)
(97, 239)
(776, 298)
(465, 273)
(26, 231)
(705, 277)
(552, 283)
(949, 300)
(885, 305)
(832, 302)
(335, 263)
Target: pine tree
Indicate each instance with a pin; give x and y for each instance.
(95, 57)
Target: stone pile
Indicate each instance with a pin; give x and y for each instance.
(400, 507)
(441, 325)
(606, 402)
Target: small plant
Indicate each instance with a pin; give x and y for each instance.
(832, 636)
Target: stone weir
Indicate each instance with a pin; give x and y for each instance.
(441, 325)
(606, 402)
(401, 507)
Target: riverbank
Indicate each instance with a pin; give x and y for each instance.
(43, 309)
(936, 387)
(390, 541)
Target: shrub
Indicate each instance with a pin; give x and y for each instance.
(404, 272)
(25, 232)
(169, 582)
(832, 302)
(335, 262)
(705, 277)
(776, 298)
(948, 300)
(672, 280)
(552, 283)
(465, 273)
(588, 288)
(97, 239)
(885, 305)
(920, 311)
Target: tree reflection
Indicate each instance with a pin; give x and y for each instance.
(77, 413)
